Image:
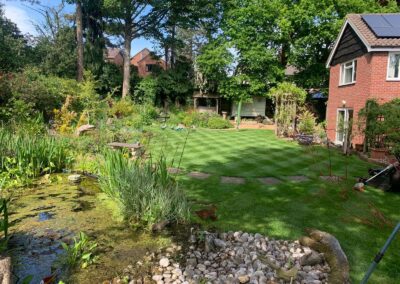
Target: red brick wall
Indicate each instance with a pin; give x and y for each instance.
(370, 83)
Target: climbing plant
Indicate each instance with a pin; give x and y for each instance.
(287, 98)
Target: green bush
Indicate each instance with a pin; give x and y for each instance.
(217, 122)
(38, 93)
(307, 123)
(145, 190)
(121, 108)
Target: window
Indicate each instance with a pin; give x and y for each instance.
(149, 67)
(348, 72)
(393, 66)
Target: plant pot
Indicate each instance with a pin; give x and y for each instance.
(378, 153)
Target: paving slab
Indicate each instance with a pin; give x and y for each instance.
(175, 171)
(199, 175)
(269, 180)
(331, 178)
(233, 180)
(297, 178)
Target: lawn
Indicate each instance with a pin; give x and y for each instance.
(361, 221)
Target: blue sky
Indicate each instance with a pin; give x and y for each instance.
(21, 14)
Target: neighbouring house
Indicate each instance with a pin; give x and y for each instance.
(115, 56)
(364, 64)
(145, 62)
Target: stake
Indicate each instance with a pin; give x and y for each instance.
(380, 255)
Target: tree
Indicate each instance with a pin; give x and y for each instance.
(13, 46)
(131, 19)
(54, 50)
(79, 37)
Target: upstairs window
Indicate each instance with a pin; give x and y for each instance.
(393, 66)
(149, 67)
(348, 72)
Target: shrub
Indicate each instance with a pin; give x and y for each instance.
(307, 123)
(146, 191)
(41, 93)
(217, 122)
(121, 108)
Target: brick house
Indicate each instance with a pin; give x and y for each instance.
(145, 62)
(364, 64)
(115, 56)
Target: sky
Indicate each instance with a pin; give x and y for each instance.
(22, 14)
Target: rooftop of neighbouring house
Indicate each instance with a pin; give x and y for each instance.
(113, 52)
(377, 30)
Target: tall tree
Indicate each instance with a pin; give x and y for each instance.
(131, 19)
(13, 46)
(79, 40)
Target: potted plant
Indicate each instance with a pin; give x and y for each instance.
(306, 128)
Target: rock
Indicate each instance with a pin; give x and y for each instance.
(160, 226)
(219, 243)
(164, 262)
(311, 259)
(244, 279)
(157, 277)
(201, 267)
(84, 128)
(191, 262)
(328, 245)
(75, 178)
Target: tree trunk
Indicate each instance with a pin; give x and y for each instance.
(166, 50)
(79, 40)
(238, 115)
(126, 84)
(173, 59)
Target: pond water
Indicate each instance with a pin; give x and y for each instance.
(43, 217)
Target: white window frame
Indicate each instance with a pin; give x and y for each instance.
(353, 77)
(388, 65)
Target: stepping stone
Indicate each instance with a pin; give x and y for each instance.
(269, 180)
(297, 178)
(175, 171)
(331, 178)
(199, 175)
(233, 180)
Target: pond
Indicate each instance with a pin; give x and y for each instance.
(46, 215)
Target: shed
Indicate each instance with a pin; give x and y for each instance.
(252, 109)
(205, 102)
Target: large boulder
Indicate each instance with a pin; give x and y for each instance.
(328, 245)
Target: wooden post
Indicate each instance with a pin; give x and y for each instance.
(238, 115)
(217, 105)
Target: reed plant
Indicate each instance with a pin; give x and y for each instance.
(24, 156)
(148, 194)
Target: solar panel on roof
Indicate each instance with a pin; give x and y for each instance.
(384, 25)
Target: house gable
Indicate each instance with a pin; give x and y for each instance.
(350, 46)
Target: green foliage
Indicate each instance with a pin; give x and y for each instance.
(81, 252)
(145, 190)
(24, 156)
(217, 122)
(121, 108)
(307, 123)
(14, 50)
(381, 125)
(287, 97)
(33, 93)
(4, 224)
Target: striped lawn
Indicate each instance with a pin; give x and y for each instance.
(286, 209)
